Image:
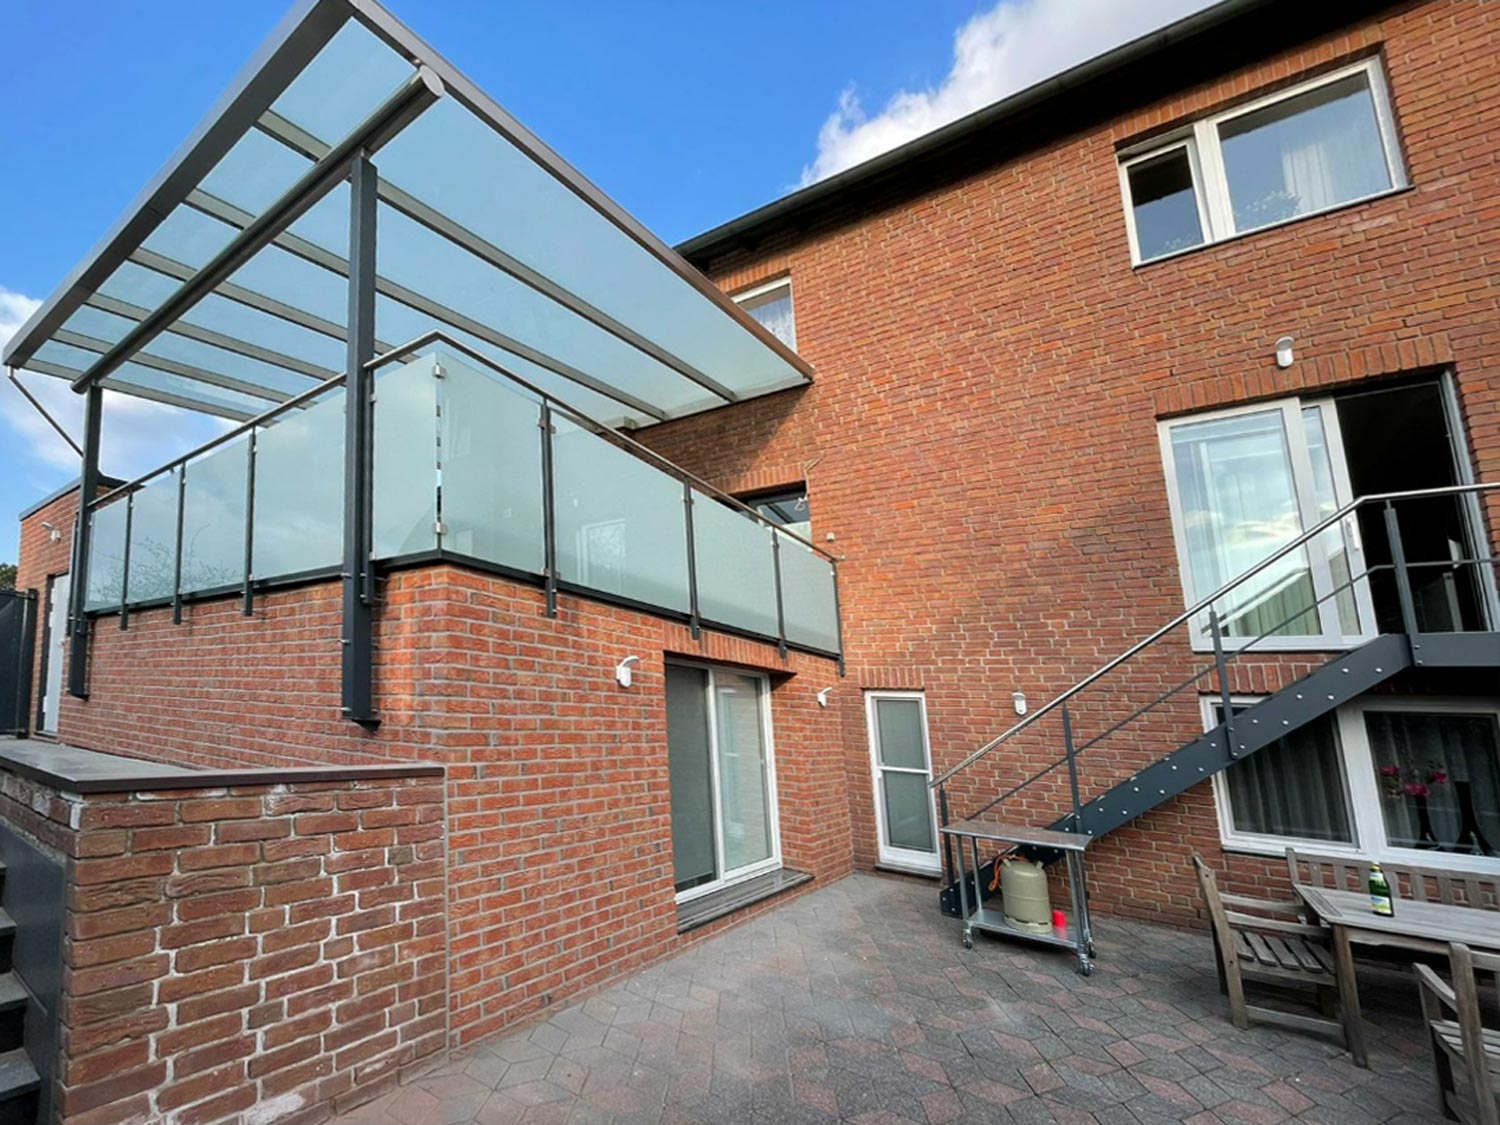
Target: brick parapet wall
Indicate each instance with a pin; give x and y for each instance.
(265, 953)
(991, 370)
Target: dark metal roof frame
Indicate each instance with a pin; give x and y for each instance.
(420, 92)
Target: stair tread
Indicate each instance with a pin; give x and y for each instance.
(7, 923)
(12, 993)
(17, 1075)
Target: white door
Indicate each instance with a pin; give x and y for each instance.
(57, 639)
(905, 812)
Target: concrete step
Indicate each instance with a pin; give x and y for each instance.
(12, 994)
(17, 1075)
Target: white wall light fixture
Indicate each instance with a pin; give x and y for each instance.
(623, 675)
(823, 697)
(1284, 356)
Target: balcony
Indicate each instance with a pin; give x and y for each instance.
(473, 465)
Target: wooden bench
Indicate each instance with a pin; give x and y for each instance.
(1423, 884)
(1465, 1055)
(1272, 947)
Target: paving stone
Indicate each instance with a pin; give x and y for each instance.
(857, 1003)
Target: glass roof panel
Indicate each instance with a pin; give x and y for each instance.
(352, 75)
(477, 225)
(454, 162)
(255, 173)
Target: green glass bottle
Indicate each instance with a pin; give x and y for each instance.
(1381, 901)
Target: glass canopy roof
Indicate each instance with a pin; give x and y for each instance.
(225, 289)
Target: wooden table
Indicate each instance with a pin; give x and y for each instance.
(1423, 927)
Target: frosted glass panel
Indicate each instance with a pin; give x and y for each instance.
(898, 725)
(406, 460)
(213, 519)
(299, 491)
(153, 540)
(908, 812)
(492, 470)
(743, 786)
(807, 597)
(620, 522)
(736, 576)
(107, 556)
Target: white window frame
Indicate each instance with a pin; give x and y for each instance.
(750, 298)
(1358, 763)
(1206, 159)
(902, 859)
(1331, 636)
(773, 861)
(1265, 843)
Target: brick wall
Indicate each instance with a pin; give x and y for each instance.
(275, 946)
(991, 371)
(40, 559)
(560, 860)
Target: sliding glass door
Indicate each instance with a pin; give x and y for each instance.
(722, 776)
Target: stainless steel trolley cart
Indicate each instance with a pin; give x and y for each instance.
(991, 919)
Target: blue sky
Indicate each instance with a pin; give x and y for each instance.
(687, 113)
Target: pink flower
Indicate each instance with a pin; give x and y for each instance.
(1390, 771)
(1416, 789)
(1438, 777)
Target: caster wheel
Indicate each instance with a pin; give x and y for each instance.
(1086, 968)
(968, 942)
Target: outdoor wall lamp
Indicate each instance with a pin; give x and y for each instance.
(52, 532)
(623, 675)
(823, 697)
(1018, 700)
(1284, 355)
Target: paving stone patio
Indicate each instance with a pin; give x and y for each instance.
(857, 1003)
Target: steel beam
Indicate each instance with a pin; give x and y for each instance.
(358, 638)
(304, 143)
(173, 367)
(317, 255)
(399, 110)
(166, 398)
(88, 485)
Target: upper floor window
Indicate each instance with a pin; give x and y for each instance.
(788, 509)
(1315, 147)
(771, 306)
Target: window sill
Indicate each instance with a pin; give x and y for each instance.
(718, 904)
(1229, 240)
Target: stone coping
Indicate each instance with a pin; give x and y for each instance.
(77, 770)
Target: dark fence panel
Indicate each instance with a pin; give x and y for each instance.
(17, 628)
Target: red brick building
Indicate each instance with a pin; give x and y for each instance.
(391, 721)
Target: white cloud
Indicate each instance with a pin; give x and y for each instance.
(138, 434)
(1011, 46)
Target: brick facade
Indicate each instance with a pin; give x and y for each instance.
(980, 443)
(277, 946)
(559, 830)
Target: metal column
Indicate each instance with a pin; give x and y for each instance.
(88, 488)
(358, 703)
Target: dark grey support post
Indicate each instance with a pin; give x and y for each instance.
(88, 488)
(177, 563)
(943, 822)
(1067, 723)
(249, 591)
(1221, 668)
(549, 512)
(125, 563)
(838, 617)
(1403, 578)
(692, 561)
(780, 601)
(358, 703)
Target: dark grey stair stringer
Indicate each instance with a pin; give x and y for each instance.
(1321, 691)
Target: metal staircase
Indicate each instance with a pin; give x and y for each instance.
(1111, 745)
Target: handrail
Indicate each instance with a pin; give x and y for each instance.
(1292, 545)
(437, 335)
(227, 436)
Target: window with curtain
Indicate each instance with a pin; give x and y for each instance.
(771, 307)
(1294, 789)
(1320, 145)
(1438, 776)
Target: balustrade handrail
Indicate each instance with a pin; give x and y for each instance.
(1206, 603)
(222, 439)
(407, 352)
